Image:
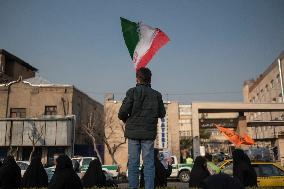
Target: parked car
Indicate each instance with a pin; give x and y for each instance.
(23, 166)
(180, 170)
(268, 173)
(49, 172)
(84, 162)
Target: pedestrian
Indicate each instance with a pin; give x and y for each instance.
(212, 167)
(167, 162)
(221, 181)
(64, 176)
(199, 172)
(189, 160)
(10, 174)
(140, 111)
(242, 169)
(160, 171)
(35, 176)
(94, 176)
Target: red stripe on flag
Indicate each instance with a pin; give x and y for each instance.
(159, 41)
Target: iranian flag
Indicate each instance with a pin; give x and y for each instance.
(142, 41)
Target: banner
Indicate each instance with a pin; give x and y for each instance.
(235, 138)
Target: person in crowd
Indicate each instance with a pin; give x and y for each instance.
(212, 167)
(64, 176)
(221, 181)
(140, 111)
(94, 175)
(35, 176)
(161, 173)
(199, 172)
(188, 160)
(10, 174)
(167, 162)
(242, 169)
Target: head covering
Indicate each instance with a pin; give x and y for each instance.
(10, 174)
(94, 175)
(64, 176)
(242, 168)
(221, 181)
(35, 175)
(199, 172)
(63, 162)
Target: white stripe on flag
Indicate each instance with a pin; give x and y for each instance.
(146, 36)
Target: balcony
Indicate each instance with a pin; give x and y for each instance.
(41, 132)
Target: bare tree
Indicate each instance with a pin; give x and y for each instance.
(110, 126)
(35, 136)
(114, 135)
(93, 130)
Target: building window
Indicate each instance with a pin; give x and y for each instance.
(272, 83)
(50, 110)
(18, 112)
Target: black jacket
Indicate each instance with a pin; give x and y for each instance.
(140, 110)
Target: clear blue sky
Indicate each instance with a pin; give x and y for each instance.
(214, 47)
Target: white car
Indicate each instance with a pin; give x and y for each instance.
(23, 166)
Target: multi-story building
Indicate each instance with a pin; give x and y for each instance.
(185, 126)
(266, 89)
(52, 115)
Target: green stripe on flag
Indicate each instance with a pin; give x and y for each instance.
(130, 34)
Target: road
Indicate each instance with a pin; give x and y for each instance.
(170, 184)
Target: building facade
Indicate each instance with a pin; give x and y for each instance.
(50, 115)
(266, 89)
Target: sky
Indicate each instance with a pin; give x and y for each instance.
(214, 45)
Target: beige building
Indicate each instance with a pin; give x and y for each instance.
(185, 126)
(266, 89)
(35, 108)
(167, 132)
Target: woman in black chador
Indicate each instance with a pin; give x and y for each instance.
(35, 175)
(242, 169)
(94, 175)
(64, 176)
(199, 172)
(10, 174)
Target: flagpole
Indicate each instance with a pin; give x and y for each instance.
(281, 79)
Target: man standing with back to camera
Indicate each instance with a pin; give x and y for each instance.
(140, 111)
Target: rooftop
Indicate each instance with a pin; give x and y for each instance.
(10, 56)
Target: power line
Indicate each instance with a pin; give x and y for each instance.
(174, 94)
